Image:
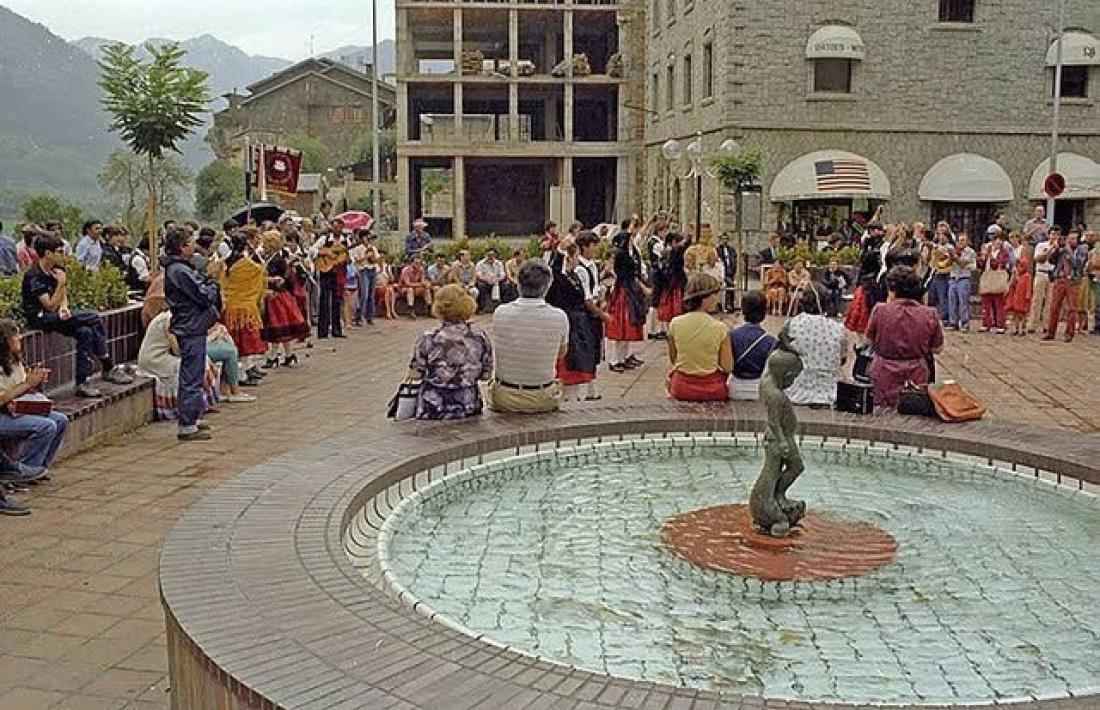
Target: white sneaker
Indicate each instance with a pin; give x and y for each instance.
(239, 398)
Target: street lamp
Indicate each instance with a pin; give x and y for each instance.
(673, 151)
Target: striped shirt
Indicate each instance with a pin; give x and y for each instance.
(527, 335)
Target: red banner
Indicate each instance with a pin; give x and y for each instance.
(280, 169)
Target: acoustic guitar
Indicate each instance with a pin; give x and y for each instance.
(328, 258)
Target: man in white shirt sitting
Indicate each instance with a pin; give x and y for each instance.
(490, 275)
(529, 336)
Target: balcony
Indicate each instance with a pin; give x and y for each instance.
(477, 128)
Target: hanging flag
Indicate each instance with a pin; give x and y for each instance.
(276, 169)
(842, 176)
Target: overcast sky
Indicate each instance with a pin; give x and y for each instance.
(279, 28)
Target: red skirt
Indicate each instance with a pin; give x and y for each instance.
(858, 315)
(621, 328)
(248, 339)
(698, 388)
(572, 377)
(283, 320)
(670, 305)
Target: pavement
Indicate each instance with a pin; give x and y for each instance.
(81, 626)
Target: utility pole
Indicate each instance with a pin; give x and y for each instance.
(376, 178)
(1057, 104)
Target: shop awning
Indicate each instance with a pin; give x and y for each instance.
(1082, 178)
(965, 177)
(835, 42)
(826, 174)
(1078, 49)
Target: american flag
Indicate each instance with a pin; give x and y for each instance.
(842, 176)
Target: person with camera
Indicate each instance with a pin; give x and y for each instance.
(1069, 269)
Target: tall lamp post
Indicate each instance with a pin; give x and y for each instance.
(1061, 29)
(376, 192)
(673, 151)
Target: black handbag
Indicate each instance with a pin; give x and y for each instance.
(861, 368)
(915, 400)
(404, 402)
(855, 397)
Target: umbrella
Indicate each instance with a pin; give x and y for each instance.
(261, 212)
(356, 220)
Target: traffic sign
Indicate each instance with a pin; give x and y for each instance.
(1055, 184)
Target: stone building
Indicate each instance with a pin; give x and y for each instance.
(936, 108)
(319, 98)
(494, 116)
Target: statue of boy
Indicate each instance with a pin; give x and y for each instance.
(772, 513)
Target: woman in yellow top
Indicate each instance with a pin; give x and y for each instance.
(699, 345)
(243, 284)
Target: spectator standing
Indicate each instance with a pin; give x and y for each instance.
(1093, 271)
(114, 248)
(89, 250)
(1069, 269)
(450, 360)
(1035, 229)
(46, 306)
(750, 347)
(510, 287)
(548, 243)
(365, 258)
(1018, 300)
(490, 276)
(820, 344)
(940, 260)
(9, 254)
(993, 283)
(418, 241)
(194, 301)
(905, 335)
(529, 337)
(1041, 289)
(958, 292)
(25, 254)
(727, 255)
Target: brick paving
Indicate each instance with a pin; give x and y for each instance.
(81, 625)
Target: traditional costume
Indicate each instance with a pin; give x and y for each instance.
(669, 283)
(243, 284)
(582, 357)
(627, 305)
(283, 319)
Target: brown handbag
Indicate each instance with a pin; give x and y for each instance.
(954, 404)
(993, 282)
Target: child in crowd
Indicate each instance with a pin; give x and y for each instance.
(1018, 300)
(775, 289)
(835, 281)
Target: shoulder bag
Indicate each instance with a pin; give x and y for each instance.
(915, 400)
(993, 281)
(404, 402)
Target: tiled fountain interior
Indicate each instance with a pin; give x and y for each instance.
(557, 553)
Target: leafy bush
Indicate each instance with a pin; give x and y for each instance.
(103, 290)
(848, 256)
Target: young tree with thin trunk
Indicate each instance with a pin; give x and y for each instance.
(154, 106)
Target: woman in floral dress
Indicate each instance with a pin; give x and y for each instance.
(449, 360)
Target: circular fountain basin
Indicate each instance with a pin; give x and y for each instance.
(982, 590)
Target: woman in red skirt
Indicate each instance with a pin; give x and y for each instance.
(283, 319)
(627, 305)
(243, 283)
(669, 282)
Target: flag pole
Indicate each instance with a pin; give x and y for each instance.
(248, 179)
(1051, 201)
(263, 174)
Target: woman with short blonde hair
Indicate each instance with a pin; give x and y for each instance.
(449, 360)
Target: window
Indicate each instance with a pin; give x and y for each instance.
(708, 70)
(656, 15)
(670, 89)
(956, 10)
(1075, 82)
(833, 76)
(655, 100)
(353, 115)
(688, 79)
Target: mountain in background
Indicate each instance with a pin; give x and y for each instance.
(53, 132)
(359, 58)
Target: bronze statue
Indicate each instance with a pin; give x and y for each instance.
(772, 513)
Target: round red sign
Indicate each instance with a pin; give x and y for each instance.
(1054, 185)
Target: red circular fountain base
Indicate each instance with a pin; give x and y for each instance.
(821, 547)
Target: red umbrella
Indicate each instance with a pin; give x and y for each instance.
(356, 220)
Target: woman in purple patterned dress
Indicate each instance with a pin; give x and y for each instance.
(450, 360)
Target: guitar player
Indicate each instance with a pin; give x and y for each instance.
(330, 257)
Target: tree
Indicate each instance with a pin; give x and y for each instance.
(154, 106)
(126, 175)
(219, 189)
(43, 208)
(364, 144)
(315, 156)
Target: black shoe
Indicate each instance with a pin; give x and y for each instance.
(24, 474)
(10, 507)
(256, 373)
(290, 360)
(270, 363)
(250, 382)
(661, 336)
(617, 367)
(633, 361)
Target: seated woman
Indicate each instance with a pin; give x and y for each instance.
(820, 343)
(42, 435)
(775, 289)
(699, 345)
(221, 351)
(159, 357)
(798, 279)
(451, 359)
(905, 335)
(751, 345)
